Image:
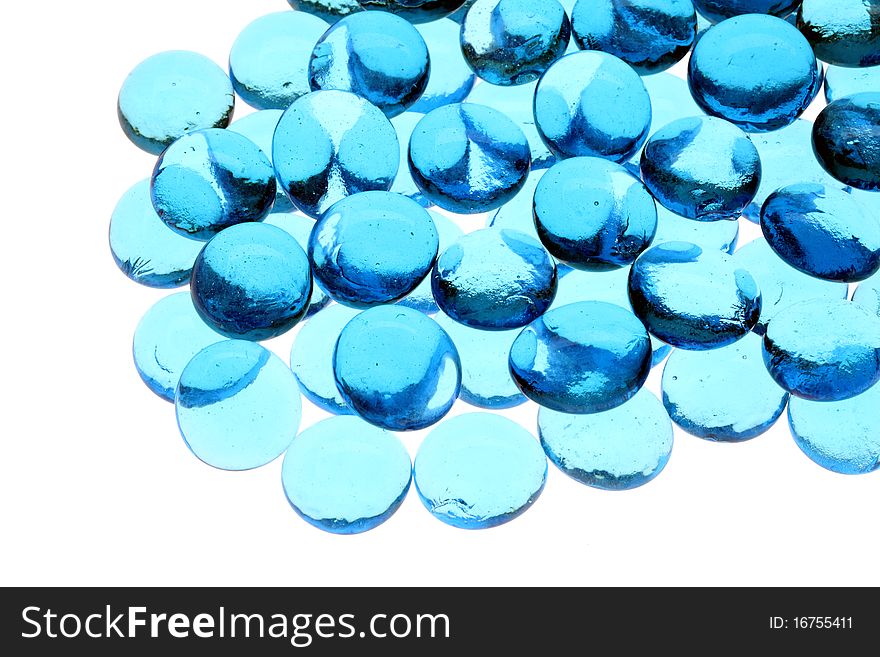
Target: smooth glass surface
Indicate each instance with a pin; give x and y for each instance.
(846, 139)
(867, 294)
(842, 32)
(842, 81)
(415, 11)
(328, 10)
(517, 214)
(422, 298)
(671, 227)
(404, 184)
(450, 79)
(259, 127)
(718, 10)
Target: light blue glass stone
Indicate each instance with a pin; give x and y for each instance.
(450, 79)
(494, 279)
(479, 470)
(209, 180)
(824, 350)
(585, 357)
(376, 55)
(327, 10)
(415, 11)
(169, 334)
(252, 281)
(404, 184)
(170, 94)
(345, 476)
(372, 248)
(396, 368)
(468, 158)
(867, 294)
(422, 298)
(671, 227)
(675, 168)
(841, 81)
(618, 449)
(330, 144)
(578, 105)
(842, 32)
(693, 298)
(143, 247)
(846, 139)
(724, 395)
(259, 127)
(842, 436)
(238, 405)
(718, 10)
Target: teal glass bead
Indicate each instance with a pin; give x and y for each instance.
(403, 183)
(846, 140)
(842, 81)
(327, 10)
(867, 294)
(719, 235)
(422, 298)
(842, 32)
(450, 79)
(718, 10)
(259, 127)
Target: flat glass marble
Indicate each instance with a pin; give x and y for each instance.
(415, 11)
(842, 32)
(842, 81)
(404, 184)
(170, 94)
(450, 79)
(252, 281)
(479, 470)
(719, 235)
(238, 405)
(724, 395)
(577, 107)
(718, 10)
(167, 337)
(422, 298)
(396, 368)
(209, 180)
(619, 449)
(494, 279)
(345, 476)
(867, 294)
(330, 144)
(259, 127)
(327, 10)
(585, 357)
(846, 139)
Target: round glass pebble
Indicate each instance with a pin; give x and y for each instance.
(396, 368)
(719, 235)
(330, 144)
(327, 10)
(404, 184)
(259, 127)
(846, 139)
(585, 357)
(170, 94)
(842, 81)
(422, 298)
(842, 32)
(450, 79)
(618, 449)
(209, 180)
(867, 294)
(718, 10)
(345, 476)
(479, 470)
(415, 11)
(252, 281)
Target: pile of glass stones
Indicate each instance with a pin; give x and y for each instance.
(523, 208)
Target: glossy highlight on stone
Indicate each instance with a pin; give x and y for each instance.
(327, 10)
(450, 79)
(718, 10)
(842, 32)
(842, 81)
(422, 298)
(846, 139)
(671, 227)
(259, 127)
(415, 11)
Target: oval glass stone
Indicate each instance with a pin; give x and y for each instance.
(331, 144)
(585, 357)
(842, 32)
(479, 470)
(450, 79)
(422, 298)
(841, 81)
(327, 10)
(846, 140)
(259, 127)
(345, 476)
(396, 368)
(618, 449)
(170, 94)
(718, 10)
(238, 405)
(252, 281)
(719, 235)
(404, 184)
(867, 294)
(209, 180)
(415, 11)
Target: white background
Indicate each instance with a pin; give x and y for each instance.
(98, 488)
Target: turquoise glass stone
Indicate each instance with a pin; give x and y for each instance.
(404, 184)
(718, 10)
(479, 470)
(422, 298)
(618, 449)
(867, 294)
(327, 10)
(259, 127)
(842, 81)
(415, 11)
(842, 32)
(718, 235)
(345, 476)
(171, 94)
(450, 79)
(846, 139)
(238, 405)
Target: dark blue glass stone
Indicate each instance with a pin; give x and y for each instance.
(422, 298)
(842, 81)
(718, 10)
(450, 79)
(415, 11)
(404, 184)
(259, 127)
(846, 140)
(327, 10)
(842, 32)
(671, 227)
(867, 294)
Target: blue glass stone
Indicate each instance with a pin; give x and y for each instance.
(841, 81)
(330, 144)
(867, 294)
(422, 298)
(719, 235)
(592, 214)
(327, 10)
(578, 105)
(718, 10)
(404, 184)
(259, 127)
(143, 247)
(479, 470)
(724, 395)
(252, 281)
(415, 11)
(372, 248)
(675, 168)
(649, 35)
(450, 79)
(170, 94)
(756, 71)
(846, 140)
(693, 298)
(842, 32)
(494, 279)
(585, 357)
(238, 405)
(618, 449)
(269, 61)
(378, 56)
(345, 476)
(396, 368)
(209, 180)
(167, 337)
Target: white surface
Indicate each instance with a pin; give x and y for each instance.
(98, 488)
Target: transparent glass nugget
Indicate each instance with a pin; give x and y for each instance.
(718, 10)
(479, 470)
(422, 298)
(671, 227)
(238, 405)
(415, 11)
(846, 139)
(330, 144)
(170, 94)
(585, 357)
(756, 71)
(619, 449)
(468, 158)
(259, 127)
(867, 294)
(450, 79)
(328, 10)
(842, 32)
(345, 476)
(404, 184)
(378, 56)
(209, 180)
(252, 281)
(842, 81)
(396, 368)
